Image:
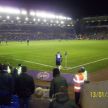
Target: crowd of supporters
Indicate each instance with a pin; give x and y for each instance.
(16, 82)
(94, 33)
(35, 33)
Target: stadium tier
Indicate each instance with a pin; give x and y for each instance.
(18, 24)
(93, 28)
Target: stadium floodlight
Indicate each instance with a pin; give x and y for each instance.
(62, 22)
(41, 14)
(50, 15)
(68, 18)
(45, 15)
(23, 12)
(9, 10)
(26, 19)
(1, 9)
(68, 25)
(51, 21)
(38, 20)
(34, 19)
(57, 17)
(17, 18)
(45, 20)
(8, 17)
(32, 13)
(50, 24)
(54, 24)
(61, 17)
(57, 21)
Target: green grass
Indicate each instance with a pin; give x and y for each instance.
(79, 52)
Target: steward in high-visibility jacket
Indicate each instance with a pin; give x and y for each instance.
(78, 82)
(85, 73)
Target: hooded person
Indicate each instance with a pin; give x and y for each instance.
(6, 86)
(25, 87)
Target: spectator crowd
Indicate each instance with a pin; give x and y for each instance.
(15, 83)
(21, 33)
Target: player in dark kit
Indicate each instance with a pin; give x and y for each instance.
(27, 41)
(58, 60)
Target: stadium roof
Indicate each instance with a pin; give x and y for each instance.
(10, 15)
(42, 14)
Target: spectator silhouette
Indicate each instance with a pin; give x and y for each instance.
(25, 88)
(57, 83)
(6, 86)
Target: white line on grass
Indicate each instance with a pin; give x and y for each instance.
(34, 63)
(67, 68)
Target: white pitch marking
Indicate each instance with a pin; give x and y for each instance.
(34, 62)
(67, 68)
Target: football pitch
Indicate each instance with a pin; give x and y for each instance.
(40, 55)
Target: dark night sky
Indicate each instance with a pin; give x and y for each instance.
(72, 8)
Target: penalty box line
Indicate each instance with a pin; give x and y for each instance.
(66, 68)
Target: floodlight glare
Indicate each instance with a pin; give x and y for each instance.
(41, 14)
(45, 20)
(17, 18)
(68, 18)
(57, 21)
(9, 10)
(32, 13)
(52, 21)
(26, 19)
(38, 20)
(23, 12)
(68, 25)
(34, 19)
(62, 22)
(49, 15)
(61, 17)
(57, 17)
(50, 24)
(1, 9)
(8, 17)
(45, 15)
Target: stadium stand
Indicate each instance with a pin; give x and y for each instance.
(22, 25)
(93, 28)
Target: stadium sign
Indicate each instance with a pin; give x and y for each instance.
(43, 75)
